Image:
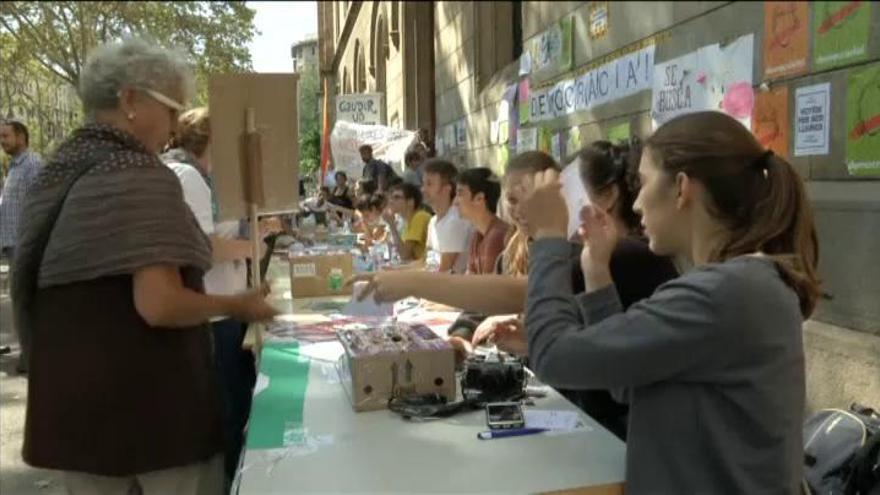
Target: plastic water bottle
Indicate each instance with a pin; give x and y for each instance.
(335, 280)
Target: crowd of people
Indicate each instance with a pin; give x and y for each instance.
(131, 298)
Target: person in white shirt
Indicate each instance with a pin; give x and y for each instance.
(449, 235)
(189, 158)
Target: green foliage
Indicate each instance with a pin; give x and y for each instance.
(59, 35)
(309, 121)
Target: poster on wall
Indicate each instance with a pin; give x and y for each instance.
(812, 109)
(545, 138)
(714, 77)
(461, 133)
(527, 139)
(551, 51)
(598, 20)
(863, 122)
(729, 71)
(365, 108)
(786, 38)
(770, 121)
(618, 133)
(512, 113)
(557, 145)
(619, 78)
(840, 33)
(573, 141)
(522, 96)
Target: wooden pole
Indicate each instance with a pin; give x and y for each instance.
(254, 198)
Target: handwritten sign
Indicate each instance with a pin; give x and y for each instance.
(550, 51)
(617, 79)
(389, 145)
(812, 107)
(360, 108)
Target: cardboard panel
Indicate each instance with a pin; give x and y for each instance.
(273, 98)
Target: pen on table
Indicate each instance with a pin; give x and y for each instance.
(517, 432)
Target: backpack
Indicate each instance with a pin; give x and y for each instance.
(842, 452)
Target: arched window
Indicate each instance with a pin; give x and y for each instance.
(360, 68)
(380, 47)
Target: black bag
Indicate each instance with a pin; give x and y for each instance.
(842, 452)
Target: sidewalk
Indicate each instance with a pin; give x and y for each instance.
(16, 477)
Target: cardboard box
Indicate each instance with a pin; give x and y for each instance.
(397, 359)
(310, 274)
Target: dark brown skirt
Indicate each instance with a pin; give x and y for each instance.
(110, 395)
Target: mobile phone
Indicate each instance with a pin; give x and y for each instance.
(502, 415)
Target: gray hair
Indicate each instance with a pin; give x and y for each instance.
(131, 62)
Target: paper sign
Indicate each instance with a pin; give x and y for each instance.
(303, 270)
(863, 122)
(527, 139)
(574, 193)
(770, 121)
(461, 133)
(786, 38)
(618, 133)
(711, 78)
(389, 145)
(812, 107)
(556, 145)
(840, 33)
(525, 63)
(549, 51)
(360, 108)
(502, 154)
(619, 78)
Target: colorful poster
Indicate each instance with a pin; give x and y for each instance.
(502, 154)
(624, 76)
(573, 142)
(527, 139)
(545, 136)
(620, 132)
(550, 51)
(863, 122)
(598, 20)
(770, 121)
(512, 114)
(840, 33)
(786, 38)
(522, 96)
(812, 109)
(711, 78)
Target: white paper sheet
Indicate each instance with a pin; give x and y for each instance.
(367, 307)
(261, 384)
(575, 195)
(552, 420)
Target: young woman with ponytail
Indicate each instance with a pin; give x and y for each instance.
(713, 362)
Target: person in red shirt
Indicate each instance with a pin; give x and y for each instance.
(477, 198)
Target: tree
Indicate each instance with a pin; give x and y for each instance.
(59, 35)
(309, 120)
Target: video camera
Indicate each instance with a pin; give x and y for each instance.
(495, 378)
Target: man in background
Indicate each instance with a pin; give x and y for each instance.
(477, 198)
(23, 169)
(413, 172)
(448, 234)
(376, 170)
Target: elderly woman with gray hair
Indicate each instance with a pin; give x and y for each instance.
(108, 283)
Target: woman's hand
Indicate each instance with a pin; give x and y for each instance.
(599, 235)
(252, 306)
(543, 207)
(386, 286)
(462, 348)
(505, 331)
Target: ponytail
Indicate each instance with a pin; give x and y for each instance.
(758, 196)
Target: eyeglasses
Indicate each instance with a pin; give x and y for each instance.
(168, 102)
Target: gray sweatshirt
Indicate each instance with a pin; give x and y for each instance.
(713, 363)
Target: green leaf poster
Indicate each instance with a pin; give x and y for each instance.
(840, 33)
(863, 122)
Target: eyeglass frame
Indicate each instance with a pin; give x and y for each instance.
(161, 98)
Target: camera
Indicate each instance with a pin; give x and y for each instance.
(493, 379)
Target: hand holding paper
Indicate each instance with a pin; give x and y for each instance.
(575, 195)
(364, 305)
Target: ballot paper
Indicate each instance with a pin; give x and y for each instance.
(552, 420)
(575, 195)
(367, 307)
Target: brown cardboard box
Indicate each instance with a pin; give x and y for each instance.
(396, 359)
(310, 274)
